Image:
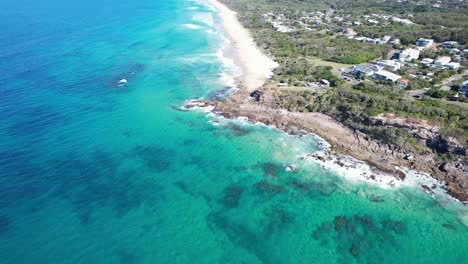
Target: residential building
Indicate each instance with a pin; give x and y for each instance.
(386, 39)
(427, 61)
(453, 51)
(424, 43)
(464, 88)
(389, 64)
(449, 44)
(403, 82)
(386, 76)
(408, 55)
(325, 82)
(442, 61)
(453, 65)
(362, 69)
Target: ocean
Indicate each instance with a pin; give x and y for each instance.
(96, 170)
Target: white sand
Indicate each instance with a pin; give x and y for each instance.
(256, 67)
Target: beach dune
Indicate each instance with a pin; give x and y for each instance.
(255, 66)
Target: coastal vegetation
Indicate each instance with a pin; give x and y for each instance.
(357, 104)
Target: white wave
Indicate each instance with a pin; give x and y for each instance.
(210, 31)
(193, 8)
(227, 80)
(204, 18)
(192, 26)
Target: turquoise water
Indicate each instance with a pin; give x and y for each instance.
(91, 172)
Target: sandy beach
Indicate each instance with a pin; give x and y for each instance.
(256, 67)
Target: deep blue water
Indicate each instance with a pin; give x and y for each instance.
(94, 172)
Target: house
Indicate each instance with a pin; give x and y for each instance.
(389, 64)
(386, 76)
(427, 61)
(325, 82)
(442, 61)
(349, 32)
(403, 82)
(386, 39)
(453, 65)
(394, 41)
(409, 55)
(424, 43)
(449, 44)
(362, 69)
(454, 51)
(464, 88)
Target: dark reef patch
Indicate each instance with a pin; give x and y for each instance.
(36, 120)
(95, 181)
(376, 199)
(449, 226)
(271, 169)
(126, 257)
(276, 219)
(187, 190)
(236, 130)
(240, 235)
(396, 226)
(266, 189)
(360, 237)
(156, 158)
(5, 223)
(232, 195)
(190, 142)
(313, 189)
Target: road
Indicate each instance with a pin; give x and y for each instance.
(453, 78)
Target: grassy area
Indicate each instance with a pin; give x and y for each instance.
(335, 66)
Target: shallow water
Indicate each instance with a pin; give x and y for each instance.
(92, 172)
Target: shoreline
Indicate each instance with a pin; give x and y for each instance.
(256, 68)
(254, 65)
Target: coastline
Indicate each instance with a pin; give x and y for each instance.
(256, 68)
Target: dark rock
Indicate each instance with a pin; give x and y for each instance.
(401, 175)
(257, 95)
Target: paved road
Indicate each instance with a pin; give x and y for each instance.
(454, 78)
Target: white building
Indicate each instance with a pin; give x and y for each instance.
(424, 43)
(362, 69)
(386, 38)
(427, 61)
(442, 61)
(453, 65)
(409, 55)
(449, 44)
(390, 64)
(386, 75)
(464, 88)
